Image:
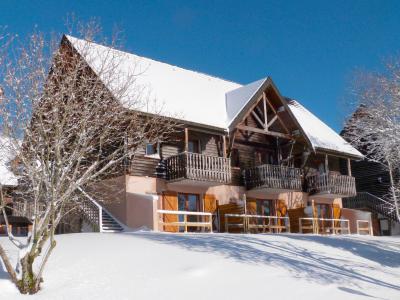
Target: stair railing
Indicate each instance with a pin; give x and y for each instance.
(368, 200)
(97, 218)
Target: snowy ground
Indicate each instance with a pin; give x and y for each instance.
(146, 265)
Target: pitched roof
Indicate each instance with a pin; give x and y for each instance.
(321, 136)
(200, 98)
(237, 99)
(189, 95)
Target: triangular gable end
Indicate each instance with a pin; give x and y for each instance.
(265, 112)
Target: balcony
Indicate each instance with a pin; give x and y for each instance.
(198, 168)
(273, 178)
(331, 185)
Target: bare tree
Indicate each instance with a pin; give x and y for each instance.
(70, 126)
(375, 126)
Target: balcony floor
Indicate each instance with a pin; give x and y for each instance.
(268, 190)
(193, 182)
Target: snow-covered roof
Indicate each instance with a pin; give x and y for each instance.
(192, 96)
(320, 135)
(7, 178)
(237, 99)
(197, 97)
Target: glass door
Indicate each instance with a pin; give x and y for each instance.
(188, 202)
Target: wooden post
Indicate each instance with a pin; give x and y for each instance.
(185, 221)
(186, 139)
(265, 110)
(349, 167)
(300, 226)
(245, 214)
(224, 146)
(326, 164)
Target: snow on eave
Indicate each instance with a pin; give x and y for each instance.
(320, 135)
(249, 92)
(187, 95)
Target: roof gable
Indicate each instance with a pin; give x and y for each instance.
(321, 136)
(199, 98)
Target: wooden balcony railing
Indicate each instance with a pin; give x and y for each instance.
(198, 167)
(273, 177)
(331, 183)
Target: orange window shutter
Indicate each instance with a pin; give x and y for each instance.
(170, 202)
(251, 206)
(210, 203)
(336, 211)
(281, 208)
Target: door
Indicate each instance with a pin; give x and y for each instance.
(188, 202)
(324, 211)
(264, 208)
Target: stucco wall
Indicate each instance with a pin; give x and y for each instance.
(353, 215)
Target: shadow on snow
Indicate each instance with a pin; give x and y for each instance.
(300, 261)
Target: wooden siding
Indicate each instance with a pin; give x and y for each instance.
(142, 165)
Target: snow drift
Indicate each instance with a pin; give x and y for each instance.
(148, 265)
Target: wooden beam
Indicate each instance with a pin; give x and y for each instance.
(224, 146)
(272, 121)
(186, 139)
(349, 167)
(251, 108)
(258, 119)
(270, 105)
(265, 110)
(264, 131)
(279, 118)
(326, 164)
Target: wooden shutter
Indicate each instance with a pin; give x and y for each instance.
(251, 206)
(281, 211)
(210, 203)
(252, 210)
(170, 202)
(281, 208)
(336, 211)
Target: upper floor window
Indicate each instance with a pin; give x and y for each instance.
(194, 146)
(235, 159)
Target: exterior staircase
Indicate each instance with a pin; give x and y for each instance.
(101, 219)
(373, 203)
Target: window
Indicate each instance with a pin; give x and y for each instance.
(235, 158)
(194, 146)
(152, 149)
(264, 207)
(261, 157)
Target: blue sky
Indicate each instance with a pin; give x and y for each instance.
(309, 48)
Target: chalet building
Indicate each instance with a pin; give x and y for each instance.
(246, 159)
(373, 187)
(18, 224)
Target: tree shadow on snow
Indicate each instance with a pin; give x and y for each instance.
(300, 261)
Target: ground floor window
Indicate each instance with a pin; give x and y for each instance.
(264, 207)
(323, 210)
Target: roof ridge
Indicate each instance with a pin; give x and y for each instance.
(158, 61)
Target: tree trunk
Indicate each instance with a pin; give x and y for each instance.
(28, 282)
